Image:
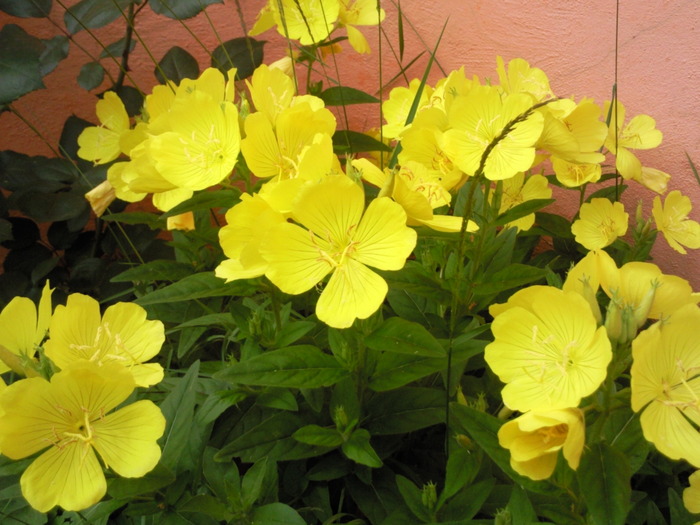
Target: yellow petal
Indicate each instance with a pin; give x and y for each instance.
(70, 477)
(126, 439)
(353, 291)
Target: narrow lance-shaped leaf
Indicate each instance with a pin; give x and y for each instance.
(604, 480)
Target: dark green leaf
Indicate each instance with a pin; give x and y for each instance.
(291, 332)
(609, 192)
(521, 210)
(181, 9)
(359, 449)
(196, 286)
(131, 487)
(345, 95)
(116, 49)
(404, 337)
(301, 366)
(405, 410)
(132, 99)
(153, 221)
(604, 481)
(159, 270)
(20, 63)
(178, 409)
(462, 467)
(245, 54)
(176, 65)
(224, 320)
(206, 200)
(467, 503)
(55, 50)
(512, 276)
(395, 370)
(347, 141)
(679, 514)
(92, 14)
(26, 8)
(5, 230)
(520, 507)
(254, 480)
(276, 514)
(72, 128)
(51, 207)
(91, 75)
(206, 504)
(483, 429)
(316, 435)
(280, 398)
(552, 224)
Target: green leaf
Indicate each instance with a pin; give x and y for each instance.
(462, 467)
(404, 337)
(405, 410)
(178, 409)
(512, 276)
(395, 370)
(52, 207)
(245, 54)
(196, 286)
(116, 49)
(157, 478)
(181, 9)
(20, 63)
(345, 95)
(412, 496)
(158, 270)
(209, 320)
(291, 332)
(92, 14)
(276, 514)
(604, 481)
(151, 220)
(206, 504)
(679, 514)
(521, 210)
(91, 75)
(300, 366)
(26, 8)
(176, 65)
(317, 435)
(359, 449)
(254, 480)
(346, 141)
(206, 200)
(552, 224)
(55, 50)
(520, 508)
(483, 429)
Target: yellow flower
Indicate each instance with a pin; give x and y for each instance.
(248, 224)
(122, 335)
(535, 439)
(100, 144)
(339, 239)
(601, 222)
(521, 78)
(672, 220)
(359, 13)
(70, 417)
(691, 495)
(271, 91)
(547, 349)
(517, 190)
(639, 133)
(23, 327)
(666, 385)
(308, 21)
(485, 120)
(182, 221)
(100, 197)
(396, 108)
(642, 287)
(572, 174)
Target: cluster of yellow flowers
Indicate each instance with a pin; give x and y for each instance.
(187, 139)
(65, 407)
(553, 347)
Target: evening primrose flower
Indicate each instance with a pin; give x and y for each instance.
(23, 327)
(517, 190)
(69, 418)
(666, 385)
(601, 222)
(340, 238)
(487, 121)
(521, 78)
(100, 144)
(271, 91)
(672, 220)
(639, 133)
(359, 13)
(308, 21)
(122, 335)
(535, 439)
(573, 174)
(396, 108)
(547, 348)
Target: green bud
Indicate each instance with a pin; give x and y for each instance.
(503, 517)
(642, 311)
(613, 319)
(429, 495)
(589, 294)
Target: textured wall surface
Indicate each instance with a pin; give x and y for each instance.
(573, 42)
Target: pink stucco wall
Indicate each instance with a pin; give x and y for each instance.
(573, 42)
